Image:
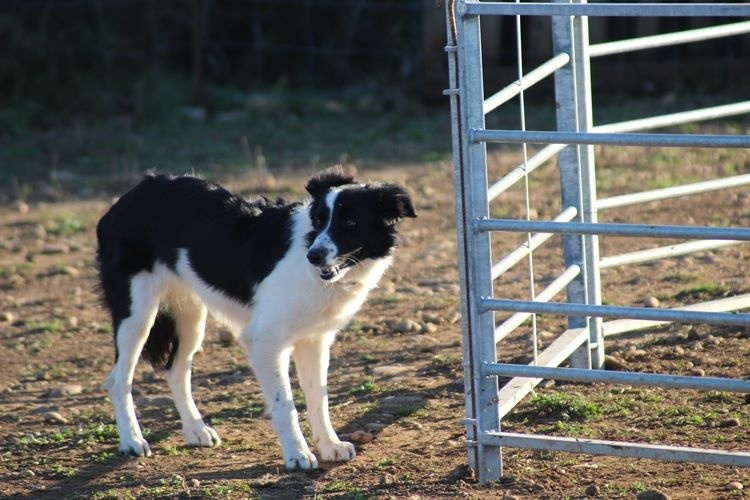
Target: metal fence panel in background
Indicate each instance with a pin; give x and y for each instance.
(584, 341)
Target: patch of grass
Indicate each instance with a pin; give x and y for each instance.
(61, 470)
(173, 450)
(102, 433)
(572, 406)
(227, 490)
(720, 397)
(368, 358)
(66, 226)
(680, 277)
(621, 406)
(113, 493)
(37, 326)
(7, 271)
(704, 291)
(386, 462)
(352, 492)
(412, 411)
(365, 388)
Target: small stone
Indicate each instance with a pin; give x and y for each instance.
(6, 317)
(405, 326)
(226, 337)
(651, 302)
(679, 350)
(698, 372)
(55, 417)
(194, 483)
(360, 437)
(429, 328)
(28, 473)
(729, 422)
(154, 401)
(21, 206)
(386, 479)
(72, 322)
(55, 249)
(734, 486)
(652, 495)
(390, 370)
(434, 318)
(613, 363)
(456, 318)
(593, 491)
(66, 390)
(693, 334)
(70, 271)
(374, 427)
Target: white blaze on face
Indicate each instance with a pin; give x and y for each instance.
(323, 240)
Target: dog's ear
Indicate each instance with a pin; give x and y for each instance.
(328, 178)
(395, 203)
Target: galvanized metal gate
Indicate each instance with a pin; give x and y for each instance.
(584, 340)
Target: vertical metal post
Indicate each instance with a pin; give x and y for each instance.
(471, 193)
(577, 177)
(451, 49)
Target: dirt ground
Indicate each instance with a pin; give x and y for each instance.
(396, 371)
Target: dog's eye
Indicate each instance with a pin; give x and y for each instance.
(349, 222)
(317, 221)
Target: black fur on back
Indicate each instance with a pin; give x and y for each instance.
(232, 243)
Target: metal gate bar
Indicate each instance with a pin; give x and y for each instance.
(583, 342)
(617, 448)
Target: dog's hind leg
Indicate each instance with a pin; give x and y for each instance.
(190, 321)
(311, 357)
(131, 335)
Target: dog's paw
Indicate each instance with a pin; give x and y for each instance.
(135, 446)
(303, 460)
(201, 435)
(339, 451)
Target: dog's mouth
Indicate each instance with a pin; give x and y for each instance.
(330, 272)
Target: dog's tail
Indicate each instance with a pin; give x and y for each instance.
(162, 343)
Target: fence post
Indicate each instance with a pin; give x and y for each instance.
(476, 261)
(577, 177)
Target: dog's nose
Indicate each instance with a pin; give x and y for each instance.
(317, 256)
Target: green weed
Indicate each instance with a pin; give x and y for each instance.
(571, 405)
(66, 226)
(365, 388)
(705, 291)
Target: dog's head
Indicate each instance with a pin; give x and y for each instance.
(352, 222)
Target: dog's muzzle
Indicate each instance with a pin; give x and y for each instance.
(318, 257)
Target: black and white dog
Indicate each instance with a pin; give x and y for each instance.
(286, 277)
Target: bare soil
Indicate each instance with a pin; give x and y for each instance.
(396, 371)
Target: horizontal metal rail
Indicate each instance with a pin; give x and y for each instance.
(617, 448)
(571, 309)
(557, 352)
(673, 192)
(519, 171)
(669, 120)
(663, 140)
(532, 244)
(614, 377)
(555, 287)
(531, 78)
(613, 229)
(733, 303)
(695, 115)
(667, 39)
(651, 254)
(605, 10)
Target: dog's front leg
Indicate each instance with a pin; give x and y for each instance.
(270, 362)
(311, 357)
